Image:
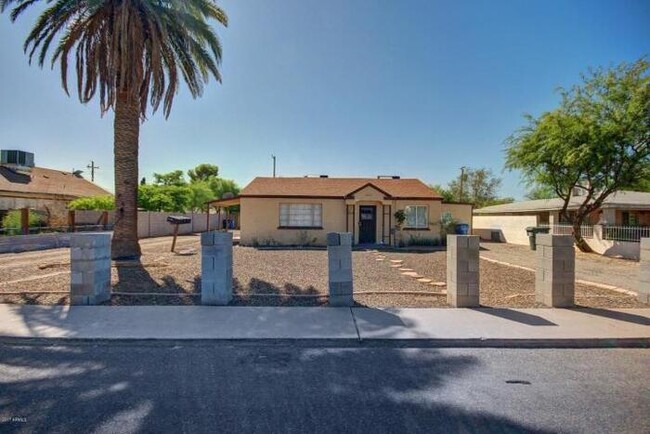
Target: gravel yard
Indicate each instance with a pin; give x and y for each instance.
(280, 277)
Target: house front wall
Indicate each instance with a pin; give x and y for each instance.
(260, 219)
(260, 222)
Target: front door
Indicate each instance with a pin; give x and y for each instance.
(367, 224)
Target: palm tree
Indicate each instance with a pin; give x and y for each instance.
(132, 53)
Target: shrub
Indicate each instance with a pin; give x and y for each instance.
(95, 203)
(11, 222)
(416, 240)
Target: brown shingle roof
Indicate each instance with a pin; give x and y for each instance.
(47, 182)
(336, 187)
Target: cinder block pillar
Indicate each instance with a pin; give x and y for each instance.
(216, 268)
(644, 272)
(90, 267)
(339, 255)
(555, 275)
(463, 270)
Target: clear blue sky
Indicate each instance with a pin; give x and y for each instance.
(342, 87)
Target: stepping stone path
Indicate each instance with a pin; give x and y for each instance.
(412, 274)
(405, 269)
(396, 261)
(424, 280)
(438, 283)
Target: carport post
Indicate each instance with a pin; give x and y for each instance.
(463, 270)
(216, 268)
(644, 272)
(24, 221)
(555, 277)
(339, 257)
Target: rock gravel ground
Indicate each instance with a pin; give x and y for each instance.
(280, 278)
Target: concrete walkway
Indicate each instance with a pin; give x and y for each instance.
(620, 273)
(438, 327)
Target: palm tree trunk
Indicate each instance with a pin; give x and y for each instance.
(127, 132)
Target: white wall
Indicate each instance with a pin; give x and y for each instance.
(512, 228)
(154, 224)
(623, 249)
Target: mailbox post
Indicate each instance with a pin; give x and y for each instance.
(177, 221)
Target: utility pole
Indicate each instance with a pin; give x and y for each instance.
(462, 181)
(92, 168)
(273, 157)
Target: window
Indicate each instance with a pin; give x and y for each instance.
(417, 217)
(298, 215)
(630, 218)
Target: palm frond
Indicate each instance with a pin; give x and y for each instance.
(139, 48)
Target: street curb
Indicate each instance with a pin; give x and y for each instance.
(578, 343)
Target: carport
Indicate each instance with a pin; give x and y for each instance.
(223, 207)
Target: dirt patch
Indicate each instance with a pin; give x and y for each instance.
(289, 277)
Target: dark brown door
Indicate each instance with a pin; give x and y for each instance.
(367, 224)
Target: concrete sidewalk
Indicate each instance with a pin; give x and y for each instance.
(584, 327)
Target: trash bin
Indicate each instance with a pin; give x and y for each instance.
(532, 232)
(462, 229)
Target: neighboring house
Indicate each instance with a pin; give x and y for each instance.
(22, 185)
(298, 211)
(624, 215)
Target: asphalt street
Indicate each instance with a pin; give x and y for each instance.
(213, 387)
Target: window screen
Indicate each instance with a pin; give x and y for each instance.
(301, 215)
(417, 217)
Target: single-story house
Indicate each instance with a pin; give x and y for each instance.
(623, 218)
(23, 185)
(302, 210)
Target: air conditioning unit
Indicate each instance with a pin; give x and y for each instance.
(19, 161)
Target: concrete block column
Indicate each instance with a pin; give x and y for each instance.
(216, 268)
(644, 272)
(339, 256)
(555, 275)
(463, 270)
(90, 268)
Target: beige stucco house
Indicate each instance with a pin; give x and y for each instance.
(299, 211)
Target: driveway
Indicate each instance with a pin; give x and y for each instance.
(589, 266)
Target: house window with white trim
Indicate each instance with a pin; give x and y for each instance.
(301, 215)
(417, 217)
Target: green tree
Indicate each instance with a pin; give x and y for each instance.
(447, 195)
(167, 198)
(133, 54)
(175, 177)
(220, 186)
(200, 193)
(596, 142)
(540, 192)
(94, 203)
(477, 186)
(203, 172)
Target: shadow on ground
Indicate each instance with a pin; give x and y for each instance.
(211, 388)
(270, 294)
